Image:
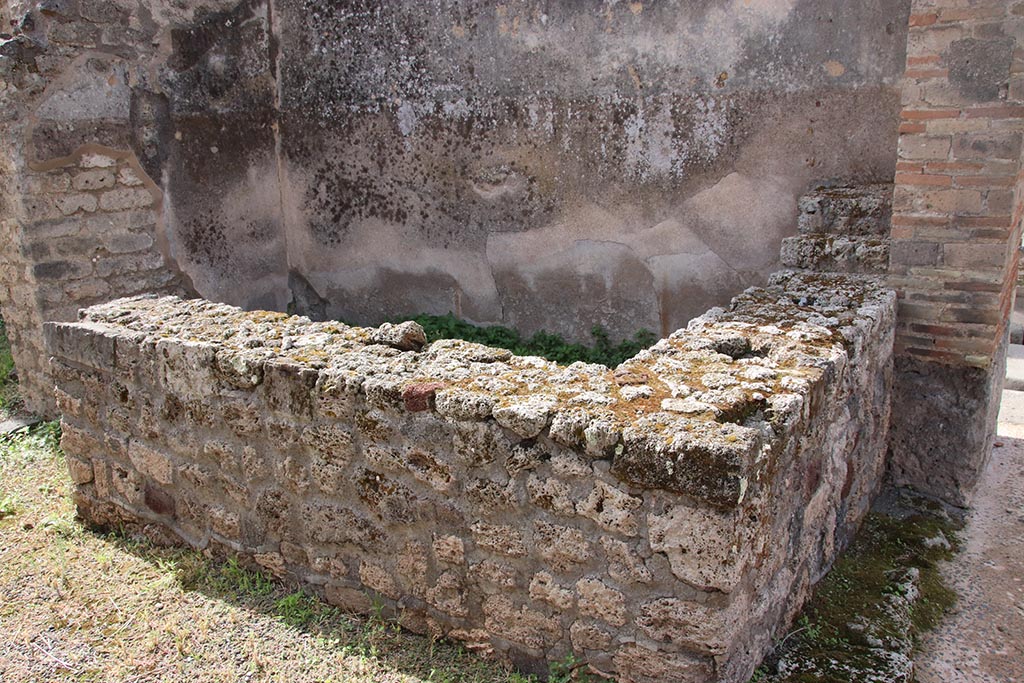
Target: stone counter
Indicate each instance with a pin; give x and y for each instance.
(662, 520)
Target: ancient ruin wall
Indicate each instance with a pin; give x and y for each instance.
(533, 164)
(956, 236)
(662, 520)
(81, 230)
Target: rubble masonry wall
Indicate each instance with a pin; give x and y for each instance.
(662, 520)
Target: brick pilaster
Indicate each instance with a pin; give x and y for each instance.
(956, 229)
(956, 214)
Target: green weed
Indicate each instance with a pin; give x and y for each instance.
(234, 578)
(297, 609)
(8, 507)
(544, 344)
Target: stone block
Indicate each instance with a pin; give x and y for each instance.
(69, 204)
(600, 601)
(924, 146)
(705, 547)
(123, 199)
(93, 179)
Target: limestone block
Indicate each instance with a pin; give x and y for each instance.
(123, 199)
(612, 508)
(639, 664)
(94, 179)
(150, 462)
(520, 625)
(449, 594)
(379, 579)
(600, 601)
(702, 545)
(450, 549)
(587, 636)
(563, 548)
(407, 336)
(81, 470)
(544, 587)
(504, 540)
(624, 565)
(498, 575)
(526, 417)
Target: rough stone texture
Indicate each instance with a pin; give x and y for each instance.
(956, 232)
(529, 509)
(542, 165)
(940, 446)
(842, 230)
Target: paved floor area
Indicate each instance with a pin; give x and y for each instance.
(983, 640)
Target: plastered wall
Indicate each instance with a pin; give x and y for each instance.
(536, 164)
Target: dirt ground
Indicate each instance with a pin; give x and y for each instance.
(982, 641)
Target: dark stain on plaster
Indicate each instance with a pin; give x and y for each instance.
(452, 124)
(191, 44)
(980, 69)
(305, 299)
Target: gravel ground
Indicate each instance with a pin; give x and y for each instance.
(982, 641)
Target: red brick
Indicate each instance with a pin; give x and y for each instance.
(926, 73)
(908, 340)
(918, 60)
(979, 346)
(971, 14)
(917, 220)
(926, 114)
(923, 179)
(923, 19)
(420, 397)
(952, 166)
(935, 330)
(994, 234)
(913, 128)
(936, 355)
(1000, 112)
(985, 221)
(972, 315)
(985, 180)
(909, 166)
(900, 233)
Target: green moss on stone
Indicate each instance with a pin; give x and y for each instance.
(868, 612)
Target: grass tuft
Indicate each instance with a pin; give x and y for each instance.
(543, 344)
(10, 401)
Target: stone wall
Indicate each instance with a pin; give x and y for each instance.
(956, 232)
(662, 520)
(81, 230)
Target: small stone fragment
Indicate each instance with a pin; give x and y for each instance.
(407, 336)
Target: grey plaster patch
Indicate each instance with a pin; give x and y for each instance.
(980, 68)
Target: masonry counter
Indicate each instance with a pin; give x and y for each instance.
(663, 520)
